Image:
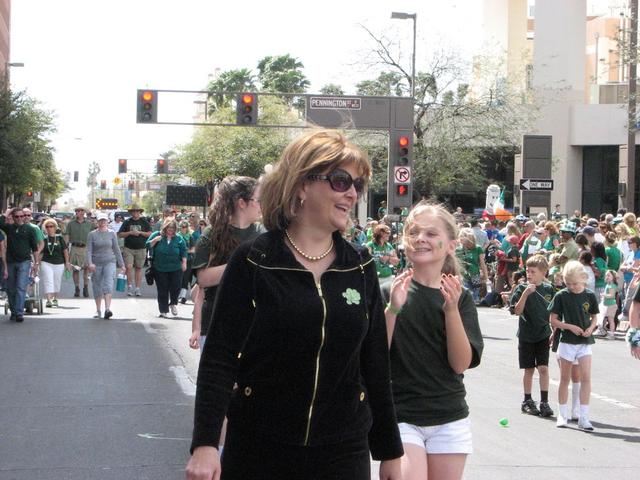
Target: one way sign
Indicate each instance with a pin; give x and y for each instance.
(540, 184)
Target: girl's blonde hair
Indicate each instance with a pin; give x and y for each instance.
(573, 271)
(311, 153)
(451, 264)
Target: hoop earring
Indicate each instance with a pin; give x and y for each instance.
(301, 203)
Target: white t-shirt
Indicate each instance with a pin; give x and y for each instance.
(591, 278)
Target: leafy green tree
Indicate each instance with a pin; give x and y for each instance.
(153, 202)
(238, 80)
(26, 153)
(283, 74)
(215, 152)
(332, 89)
(454, 122)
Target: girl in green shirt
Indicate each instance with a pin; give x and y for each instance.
(600, 264)
(433, 330)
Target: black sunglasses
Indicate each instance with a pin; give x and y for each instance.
(340, 181)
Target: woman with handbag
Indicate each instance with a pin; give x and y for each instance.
(169, 263)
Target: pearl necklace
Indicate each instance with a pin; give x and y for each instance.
(309, 257)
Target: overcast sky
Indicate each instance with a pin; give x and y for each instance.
(84, 59)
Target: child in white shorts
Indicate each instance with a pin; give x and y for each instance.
(574, 310)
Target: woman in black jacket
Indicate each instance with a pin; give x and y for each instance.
(299, 327)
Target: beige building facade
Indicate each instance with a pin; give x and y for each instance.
(569, 64)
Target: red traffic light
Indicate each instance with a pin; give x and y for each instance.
(402, 190)
(403, 141)
(147, 96)
(247, 98)
(29, 193)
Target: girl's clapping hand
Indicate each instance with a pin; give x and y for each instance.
(451, 290)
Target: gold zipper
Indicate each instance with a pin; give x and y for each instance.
(315, 382)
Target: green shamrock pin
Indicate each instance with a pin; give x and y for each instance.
(352, 296)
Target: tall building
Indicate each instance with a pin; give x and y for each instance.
(5, 22)
(566, 55)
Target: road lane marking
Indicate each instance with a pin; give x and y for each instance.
(612, 401)
(184, 381)
(156, 436)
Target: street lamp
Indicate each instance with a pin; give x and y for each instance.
(412, 16)
(8, 65)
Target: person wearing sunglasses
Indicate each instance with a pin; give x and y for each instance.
(300, 329)
(22, 245)
(53, 261)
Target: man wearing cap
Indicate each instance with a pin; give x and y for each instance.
(592, 231)
(135, 230)
(76, 235)
(569, 249)
(556, 215)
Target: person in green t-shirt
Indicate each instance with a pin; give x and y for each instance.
(610, 307)
(530, 301)
(383, 253)
(600, 267)
(434, 335)
(574, 310)
(614, 255)
(471, 257)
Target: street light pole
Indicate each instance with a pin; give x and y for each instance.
(412, 16)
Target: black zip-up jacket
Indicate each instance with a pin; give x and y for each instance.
(311, 360)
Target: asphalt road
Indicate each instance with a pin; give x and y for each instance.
(92, 399)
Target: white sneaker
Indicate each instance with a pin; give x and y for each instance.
(130, 291)
(174, 310)
(561, 422)
(585, 424)
(138, 294)
(611, 336)
(162, 315)
(97, 314)
(601, 332)
(575, 414)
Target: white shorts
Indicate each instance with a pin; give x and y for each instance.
(452, 437)
(51, 277)
(572, 353)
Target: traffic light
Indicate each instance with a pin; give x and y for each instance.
(247, 109)
(147, 106)
(161, 166)
(122, 165)
(29, 194)
(76, 176)
(131, 185)
(103, 184)
(399, 181)
(403, 150)
(402, 190)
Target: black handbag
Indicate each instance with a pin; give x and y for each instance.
(149, 274)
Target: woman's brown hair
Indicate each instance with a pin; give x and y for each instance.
(313, 152)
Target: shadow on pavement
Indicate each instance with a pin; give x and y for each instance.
(495, 338)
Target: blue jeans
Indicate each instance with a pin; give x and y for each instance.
(17, 285)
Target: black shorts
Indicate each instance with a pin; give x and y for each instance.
(531, 355)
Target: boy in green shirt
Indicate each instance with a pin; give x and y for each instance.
(530, 302)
